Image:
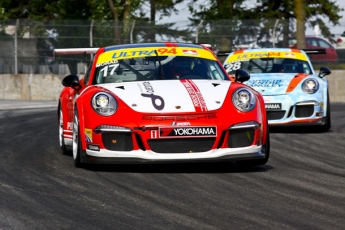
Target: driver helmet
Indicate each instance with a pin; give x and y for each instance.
(290, 65)
(182, 66)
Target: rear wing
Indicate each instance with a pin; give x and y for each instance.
(307, 51)
(223, 53)
(70, 51)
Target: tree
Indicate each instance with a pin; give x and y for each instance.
(300, 23)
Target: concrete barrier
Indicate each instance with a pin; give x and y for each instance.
(48, 86)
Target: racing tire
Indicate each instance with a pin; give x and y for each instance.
(77, 150)
(63, 147)
(257, 162)
(327, 126)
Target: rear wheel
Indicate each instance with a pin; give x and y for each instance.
(77, 150)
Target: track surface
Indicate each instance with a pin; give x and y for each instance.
(301, 187)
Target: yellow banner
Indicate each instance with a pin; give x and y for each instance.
(243, 55)
(150, 51)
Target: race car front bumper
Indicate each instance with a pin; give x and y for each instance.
(303, 113)
(139, 156)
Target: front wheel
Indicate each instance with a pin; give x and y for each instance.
(77, 150)
(61, 133)
(327, 125)
(265, 150)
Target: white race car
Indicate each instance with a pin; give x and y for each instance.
(294, 93)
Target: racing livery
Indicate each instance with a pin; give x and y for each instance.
(160, 102)
(293, 92)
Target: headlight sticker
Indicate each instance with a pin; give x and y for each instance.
(243, 99)
(310, 86)
(104, 104)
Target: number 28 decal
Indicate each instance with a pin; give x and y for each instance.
(232, 66)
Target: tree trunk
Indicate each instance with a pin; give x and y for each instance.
(126, 20)
(300, 23)
(117, 37)
(151, 33)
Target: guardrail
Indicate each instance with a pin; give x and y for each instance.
(48, 86)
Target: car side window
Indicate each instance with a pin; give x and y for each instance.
(324, 44)
(87, 74)
(312, 42)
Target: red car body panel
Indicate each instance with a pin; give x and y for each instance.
(144, 125)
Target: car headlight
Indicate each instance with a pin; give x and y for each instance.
(243, 99)
(104, 104)
(310, 86)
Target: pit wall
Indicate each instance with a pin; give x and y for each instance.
(48, 87)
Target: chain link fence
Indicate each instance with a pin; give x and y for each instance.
(26, 46)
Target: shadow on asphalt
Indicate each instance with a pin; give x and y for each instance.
(223, 167)
(298, 129)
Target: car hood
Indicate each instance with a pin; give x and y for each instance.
(171, 95)
(275, 83)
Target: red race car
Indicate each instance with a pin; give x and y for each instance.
(160, 103)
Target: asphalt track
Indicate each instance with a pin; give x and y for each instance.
(301, 187)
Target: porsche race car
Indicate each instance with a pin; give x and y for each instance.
(294, 94)
(160, 103)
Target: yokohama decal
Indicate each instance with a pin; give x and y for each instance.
(195, 95)
(189, 131)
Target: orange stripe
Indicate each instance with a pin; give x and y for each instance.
(238, 52)
(295, 81)
(296, 50)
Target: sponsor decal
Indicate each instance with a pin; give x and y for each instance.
(139, 53)
(93, 147)
(289, 55)
(195, 95)
(265, 83)
(154, 134)
(134, 53)
(69, 125)
(157, 101)
(191, 52)
(268, 98)
(197, 117)
(107, 63)
(88, 135)
(180, 123)
(273, 106)
(190, 131)
(258, 55)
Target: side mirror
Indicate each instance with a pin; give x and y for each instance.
(241, 76)
(72, 81)
(324, 71)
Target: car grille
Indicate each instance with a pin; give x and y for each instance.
(275, 115)
(304, 110)
(117, 141)
(241, 138)
(182, 145)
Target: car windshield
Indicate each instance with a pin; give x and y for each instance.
(269, 65)
(158, 68)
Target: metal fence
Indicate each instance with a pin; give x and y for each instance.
(26, 46)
